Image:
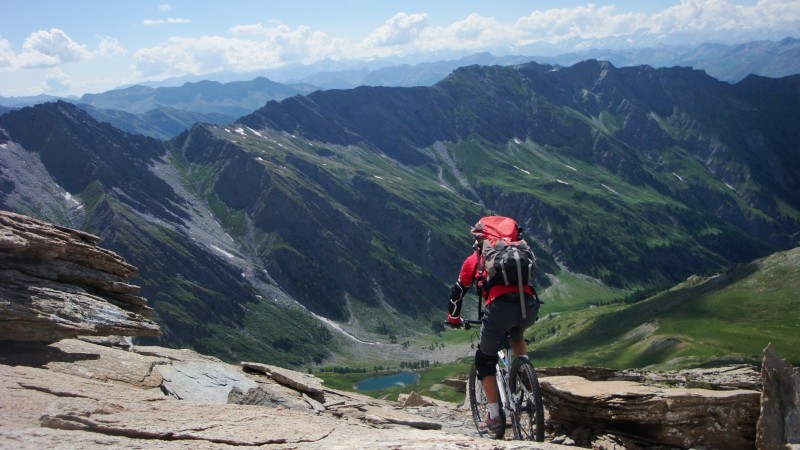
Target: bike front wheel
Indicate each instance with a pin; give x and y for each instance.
(529, 414)
(479, 406)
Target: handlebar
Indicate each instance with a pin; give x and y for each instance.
(465, 324)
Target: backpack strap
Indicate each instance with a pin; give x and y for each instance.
(478, 286)
(522, 307)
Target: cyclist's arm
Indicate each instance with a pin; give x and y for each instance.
(462, 285)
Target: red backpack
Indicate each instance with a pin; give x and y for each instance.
(504, 256)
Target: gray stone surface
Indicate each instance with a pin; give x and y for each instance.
(203, 381)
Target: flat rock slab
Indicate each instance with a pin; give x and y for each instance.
(185, 420)
(96, 362)
(203, 381)
(296, 380)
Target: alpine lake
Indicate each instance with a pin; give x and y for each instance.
(399, 379)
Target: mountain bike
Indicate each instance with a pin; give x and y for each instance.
(520, 396)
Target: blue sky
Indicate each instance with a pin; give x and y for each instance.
(87, 46)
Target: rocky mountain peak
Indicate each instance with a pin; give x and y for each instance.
(78, 151)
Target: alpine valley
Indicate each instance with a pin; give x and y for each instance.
(320, 225)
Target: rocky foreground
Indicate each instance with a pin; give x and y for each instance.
(64, 383)
(77, 394)
(91, 393)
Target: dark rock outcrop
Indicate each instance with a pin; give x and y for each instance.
(779, 422)
(55, 283)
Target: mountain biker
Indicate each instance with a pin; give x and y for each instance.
(502, 314)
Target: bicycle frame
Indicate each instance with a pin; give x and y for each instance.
(503, 369)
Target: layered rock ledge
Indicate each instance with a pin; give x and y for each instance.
(56, 283)
(680, 417)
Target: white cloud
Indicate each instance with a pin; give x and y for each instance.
(712, 15)
(473, 33)
(250, 47)
(164, 7)
(582, 22)
(719, 16)
(50, 48)
(253, 29)
(269, 48)
(402, 29)
(691, 18)
(7, 55)
(303, 45)
(110, 47)
(56, 81)
(689, 21)
(169, 21)
(180, 56)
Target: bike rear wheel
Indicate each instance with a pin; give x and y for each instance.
(477, 402)
(529, 416)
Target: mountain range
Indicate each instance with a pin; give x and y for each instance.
(164, 109)
(332, 220)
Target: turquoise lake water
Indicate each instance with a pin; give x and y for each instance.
(401, 379)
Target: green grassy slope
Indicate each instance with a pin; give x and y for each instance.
(726, 317)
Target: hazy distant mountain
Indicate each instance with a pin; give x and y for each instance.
(725, 62)
(234, 99)
(405, 75)
(736, 62)
(19, 102)
(354, 205)
(159, 123)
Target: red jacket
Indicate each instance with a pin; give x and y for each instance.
(468, 275)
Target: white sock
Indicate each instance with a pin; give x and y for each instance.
(494, 410)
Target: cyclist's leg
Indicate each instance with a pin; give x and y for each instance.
(493, 422)
(490, 389)
(486, 368)
(517, 332)
(497, 319)
(519, 347)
